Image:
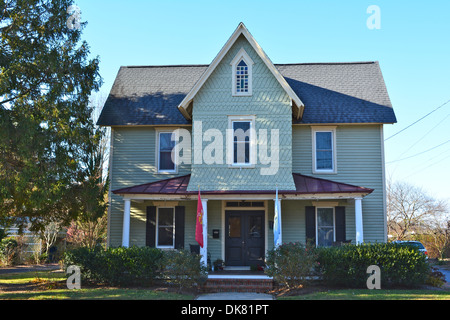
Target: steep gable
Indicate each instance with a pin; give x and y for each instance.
(215, 106)
(241, 31)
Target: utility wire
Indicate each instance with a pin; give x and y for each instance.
(415, 143)
(417, 120)
(418, 154)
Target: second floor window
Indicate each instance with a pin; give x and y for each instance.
(241, 144)
(165, 147)
(324, 152)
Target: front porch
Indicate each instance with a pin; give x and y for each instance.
(238, 225)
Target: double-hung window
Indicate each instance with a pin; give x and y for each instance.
(165, 231)
(165, 147)
(324, 150)
(325, 233)
(242, 129)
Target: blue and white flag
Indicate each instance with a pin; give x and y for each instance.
(277, 222)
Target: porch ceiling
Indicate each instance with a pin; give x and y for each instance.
(304, 185)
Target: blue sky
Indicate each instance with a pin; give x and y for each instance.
(412, 46)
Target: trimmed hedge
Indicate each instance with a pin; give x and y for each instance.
(347, 265)
(117, 266)
(140, 266)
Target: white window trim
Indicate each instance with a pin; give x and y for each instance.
(157, 229)
(175, 170)
(334, 224)
(230, 141)
(314, 130)
(242, 55)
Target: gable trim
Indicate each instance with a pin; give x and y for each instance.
(297, 104)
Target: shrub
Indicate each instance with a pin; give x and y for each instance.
(117, 266)
(347, 265)
(291, 264)
(435, 278)
(8, 251)
(183, 268)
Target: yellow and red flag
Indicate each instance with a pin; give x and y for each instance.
(199, 223)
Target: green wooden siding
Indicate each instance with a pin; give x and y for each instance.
(359, 162)
(133, 162)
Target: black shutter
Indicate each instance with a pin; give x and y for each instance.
(310, 223)
(340, 223)
(150, 227)
(179, 227)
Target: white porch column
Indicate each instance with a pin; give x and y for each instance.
(126, 223)
(204, 250)
(359, 221)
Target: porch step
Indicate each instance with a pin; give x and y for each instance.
(237, 284)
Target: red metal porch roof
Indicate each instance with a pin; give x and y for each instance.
(303, 185)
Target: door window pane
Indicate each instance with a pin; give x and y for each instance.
(254, 227)
(234, 227)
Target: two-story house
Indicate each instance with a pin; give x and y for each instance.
(239, 129)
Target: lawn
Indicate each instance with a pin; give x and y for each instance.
(45, 285)
(366, 294)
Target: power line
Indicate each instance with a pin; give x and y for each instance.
(415, 143)
(417, 120)
(418, 154)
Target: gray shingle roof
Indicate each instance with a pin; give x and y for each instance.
(332, 93)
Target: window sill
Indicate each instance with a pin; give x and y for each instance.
(241, 166)
(167, 172)
(241, 95)
(324, 172)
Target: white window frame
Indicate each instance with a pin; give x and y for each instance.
(252, 140)
(157, 229)
(158, 155)
(317, 225)
(314, 131)
(242, 55)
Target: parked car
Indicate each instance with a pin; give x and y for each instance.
(416, 244)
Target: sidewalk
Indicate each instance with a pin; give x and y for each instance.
(235, 296)
(447, 277)
(27, 268)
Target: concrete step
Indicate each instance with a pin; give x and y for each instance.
(259, 285)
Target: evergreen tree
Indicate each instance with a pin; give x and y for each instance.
(46, 126)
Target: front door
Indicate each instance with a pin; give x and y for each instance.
(244, 238)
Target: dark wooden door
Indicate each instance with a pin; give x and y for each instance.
(244, 238)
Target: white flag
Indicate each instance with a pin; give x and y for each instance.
(277, 222)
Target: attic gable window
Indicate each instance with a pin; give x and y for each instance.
(242, 74)
(241, 77)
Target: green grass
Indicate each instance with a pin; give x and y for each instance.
(95, 294)
(52, 287)
(366, 294)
